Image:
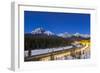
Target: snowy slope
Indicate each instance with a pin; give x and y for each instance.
(42, 31)
(67, 35)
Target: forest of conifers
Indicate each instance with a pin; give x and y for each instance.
(43, 41)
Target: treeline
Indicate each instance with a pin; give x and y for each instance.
(42, 42)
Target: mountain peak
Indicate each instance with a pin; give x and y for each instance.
(49, 33)
(64, 35)
(40, 30)
(67, 35)
(82, 35)
(77, 34)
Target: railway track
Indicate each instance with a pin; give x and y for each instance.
(61, 53)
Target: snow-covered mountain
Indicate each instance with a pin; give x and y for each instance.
(38, 31)
(85, 35)
(67, 35)
(49, 33)
(77, 34)
(81, 35)
(42, 31)
(64, 35)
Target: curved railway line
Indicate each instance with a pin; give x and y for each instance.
(73, 53)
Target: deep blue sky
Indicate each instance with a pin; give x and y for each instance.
(57, 22)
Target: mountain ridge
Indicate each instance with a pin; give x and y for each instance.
(42, 31)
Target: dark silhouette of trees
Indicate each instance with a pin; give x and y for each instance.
(42, 42)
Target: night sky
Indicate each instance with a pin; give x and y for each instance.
(57, 22)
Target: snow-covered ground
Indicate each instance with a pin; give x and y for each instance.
(43, 51)
(86, 55)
